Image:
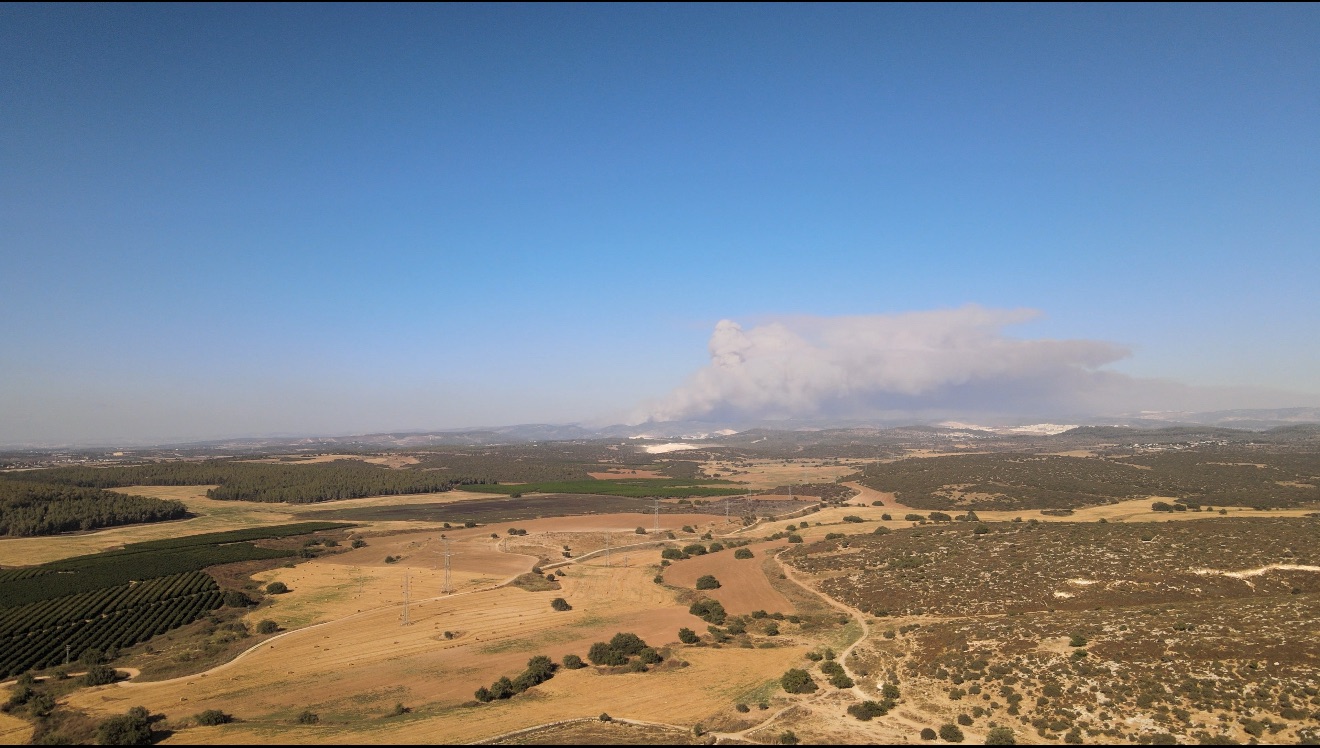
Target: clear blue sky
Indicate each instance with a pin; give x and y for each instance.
(256, 219)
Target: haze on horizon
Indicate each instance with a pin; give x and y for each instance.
(223, 221)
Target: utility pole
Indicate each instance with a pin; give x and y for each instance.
(657, 515)
(449, 579)
(405, 599)
(607, 549)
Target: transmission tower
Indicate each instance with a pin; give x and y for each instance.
(405, 599)
(449, 579)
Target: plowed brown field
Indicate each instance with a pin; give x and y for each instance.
(744, 587)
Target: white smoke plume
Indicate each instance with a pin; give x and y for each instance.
(955, 358)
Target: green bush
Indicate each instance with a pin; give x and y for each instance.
(133, 728)
(212, 717)
(950, 732)
(688, 636)
(560, 604)
(279, 588)
(600, 653)
(794, 538)
(743, 553)
(707, 582)
(868, 710)
(573, 662)
(267, 626)
(797, 680)
(1000, 736)
(710, 611)
(100, 675)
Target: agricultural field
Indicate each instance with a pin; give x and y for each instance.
(852, 611)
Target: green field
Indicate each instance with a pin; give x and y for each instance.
(664, 488)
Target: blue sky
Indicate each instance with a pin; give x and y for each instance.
(243, 220)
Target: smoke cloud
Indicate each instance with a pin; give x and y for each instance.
(943, 360)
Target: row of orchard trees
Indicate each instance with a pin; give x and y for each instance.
(124, 627)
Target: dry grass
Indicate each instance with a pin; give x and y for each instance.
(14, 730)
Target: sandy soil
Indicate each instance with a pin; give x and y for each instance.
(744, 587)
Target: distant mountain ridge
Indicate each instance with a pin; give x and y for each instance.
(1280, 422)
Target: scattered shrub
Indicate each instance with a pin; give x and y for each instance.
(267, 626)
(133, 728)
(688, 636)
(308, 717)
(798, 681)
(743, 553)
(951, 733)
(560, 604)
(276, 588)
(100, 675)
(710, 611)
(707, 582)
(212, 717)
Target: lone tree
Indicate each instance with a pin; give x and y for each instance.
(276, 588)
(798, 681)
(743, 553)
(707, 582)
(560, 604)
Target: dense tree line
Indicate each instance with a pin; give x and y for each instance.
(253, 481)
(30, 508)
